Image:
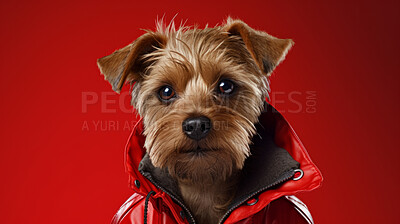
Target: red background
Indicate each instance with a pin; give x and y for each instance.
(53, 170)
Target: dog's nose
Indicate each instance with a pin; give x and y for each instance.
(197, 127)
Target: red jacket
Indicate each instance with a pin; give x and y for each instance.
(263, 197)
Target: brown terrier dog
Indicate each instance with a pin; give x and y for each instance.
(200, 93)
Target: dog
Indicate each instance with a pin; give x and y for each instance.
(200, 93)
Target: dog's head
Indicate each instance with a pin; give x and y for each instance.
(199, 92)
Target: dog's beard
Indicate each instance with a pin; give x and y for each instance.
(203, 167)
(216, 157)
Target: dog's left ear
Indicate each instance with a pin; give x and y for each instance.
(128, 63)
(266, 50)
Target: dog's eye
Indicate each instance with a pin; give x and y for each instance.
(226, 87)
(166, 93)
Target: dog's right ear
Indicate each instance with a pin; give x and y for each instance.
(266, 50)
(128, 63)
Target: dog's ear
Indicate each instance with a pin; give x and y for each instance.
(128, 63)
(266, 50)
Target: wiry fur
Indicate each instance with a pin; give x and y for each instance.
(192, 61)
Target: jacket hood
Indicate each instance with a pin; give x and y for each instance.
(277, 155)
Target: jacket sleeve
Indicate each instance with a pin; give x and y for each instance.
(132, 212)
(131, 206)
(301, 208)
